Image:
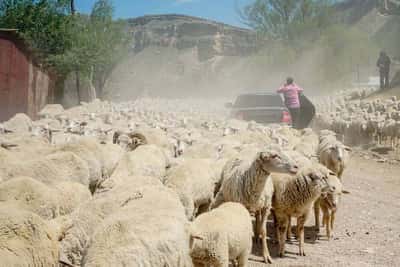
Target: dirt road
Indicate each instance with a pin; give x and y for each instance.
(367, 227)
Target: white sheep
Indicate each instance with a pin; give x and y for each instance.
(146, 160)
(194, 181)
(150, 229)
(294, 197)
(62, 166)
(333, 154)
(328, 203)
(90, 214)
(246, 180)
(26, 239)
(221, 235)
(48, 202)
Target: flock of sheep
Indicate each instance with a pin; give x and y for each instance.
(358, 120)
(136, 184)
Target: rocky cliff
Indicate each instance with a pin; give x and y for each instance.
(184, 32)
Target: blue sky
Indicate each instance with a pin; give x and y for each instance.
(219, 10)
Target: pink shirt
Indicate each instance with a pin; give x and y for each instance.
(291, 93)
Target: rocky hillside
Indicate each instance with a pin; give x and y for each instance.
(184, 32)
(176, 55)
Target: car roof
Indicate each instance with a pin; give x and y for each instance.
(258, 93)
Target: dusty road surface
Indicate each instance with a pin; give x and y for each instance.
(367, 226)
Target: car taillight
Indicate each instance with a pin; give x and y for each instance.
(286, 118)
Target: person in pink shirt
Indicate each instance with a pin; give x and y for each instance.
(291, 92)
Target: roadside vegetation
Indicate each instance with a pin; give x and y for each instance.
(67, 41)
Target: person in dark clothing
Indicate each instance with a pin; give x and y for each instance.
(384, 69)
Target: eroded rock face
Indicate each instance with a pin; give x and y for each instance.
(184, 32)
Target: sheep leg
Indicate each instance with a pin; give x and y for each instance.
(243, 259)
(326, 220)
(333, 217)
(289, 230)
(317, 214)
(257, 228)
(281, 233)
(263, 220)
(300, 230)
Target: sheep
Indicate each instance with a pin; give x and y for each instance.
(329, 204)
(20, 123)
(46, 201)
(245, 180)
(294, 196)
(62, 166)
(136, 236)
(96, 158)
(333, 154)
(194, 182)
(32, 195)
(26, 239)
(146, 160)
(25, 147)
(129, 141)
(391, 129)
(90, 214)
(4, 130)
(51, 110)
(221, 235)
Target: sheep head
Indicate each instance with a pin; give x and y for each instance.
(276, 161)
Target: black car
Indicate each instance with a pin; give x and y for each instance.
(260, 107)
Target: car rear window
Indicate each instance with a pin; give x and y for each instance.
(248, 101)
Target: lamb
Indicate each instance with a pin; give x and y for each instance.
(247, 180)
(194, 182)
(136, 236)
(333, 154)
(220, 235)
(294, 196)
(26, 239)
(329, 204)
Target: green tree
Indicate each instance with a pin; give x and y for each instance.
(68, 41)
(286, 19)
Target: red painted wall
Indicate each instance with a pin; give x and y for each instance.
(24, 86)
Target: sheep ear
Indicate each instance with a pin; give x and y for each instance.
(347, 149)
(197, 237)
(345, 192)
(314, 176)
